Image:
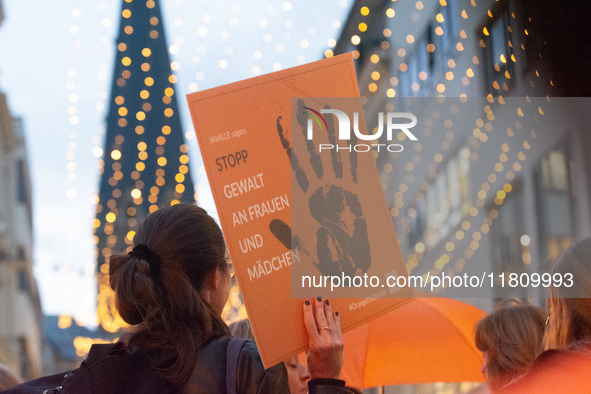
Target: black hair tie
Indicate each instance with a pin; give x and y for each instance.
(143, 252)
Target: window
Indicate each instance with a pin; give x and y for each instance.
(534, 28)
(417, 220)
(417, 63)
(509, 255)
(25, 359)
(21, 180)
(423, 55)
(20, 253)
(434, 213)
(498, 52)
(22, 281)
(534, 42)
(367, 48)
(555, 200)
(430, 53)
(410, 78)
(443, 32)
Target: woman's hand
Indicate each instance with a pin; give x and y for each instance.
(325, 357)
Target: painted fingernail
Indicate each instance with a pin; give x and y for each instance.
(336, 313)
(307, 302)
(326, 302)
(319, 299)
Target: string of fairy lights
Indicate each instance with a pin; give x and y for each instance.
(479, 137)
(174, 50)
(107, 316)
(413, 259)
(72, 111)
(234, 308)
(378, 84)
(73, 100)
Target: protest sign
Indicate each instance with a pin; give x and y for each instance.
(243, 130)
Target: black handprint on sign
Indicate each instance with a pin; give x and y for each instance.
(342, 240)
(284, 136)
(278, 227)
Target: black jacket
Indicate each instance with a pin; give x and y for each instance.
(209, 375)
(116, 368)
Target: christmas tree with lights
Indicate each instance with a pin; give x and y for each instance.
(145, 163)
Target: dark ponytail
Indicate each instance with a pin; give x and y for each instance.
(172, 320)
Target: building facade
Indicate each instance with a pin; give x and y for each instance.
(498, 180)
(20, 308)
(515, 165)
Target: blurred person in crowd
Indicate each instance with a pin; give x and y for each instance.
(172, 288)
(297, 372)
(565, 366)
(510, 339)
(8, 378)
(241, 329)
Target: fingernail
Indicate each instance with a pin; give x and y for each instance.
(307, 302)
(336, 313)
(326, 302)
(319, 299)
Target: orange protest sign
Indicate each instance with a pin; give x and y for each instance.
(243, 130)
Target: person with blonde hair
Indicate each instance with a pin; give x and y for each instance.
(510, 339)
(565, 365)
(241, 329)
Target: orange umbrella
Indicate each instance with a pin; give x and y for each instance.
(425, 341)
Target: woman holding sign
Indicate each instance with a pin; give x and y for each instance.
(173, 287)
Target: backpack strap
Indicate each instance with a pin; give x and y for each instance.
(234, 347)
